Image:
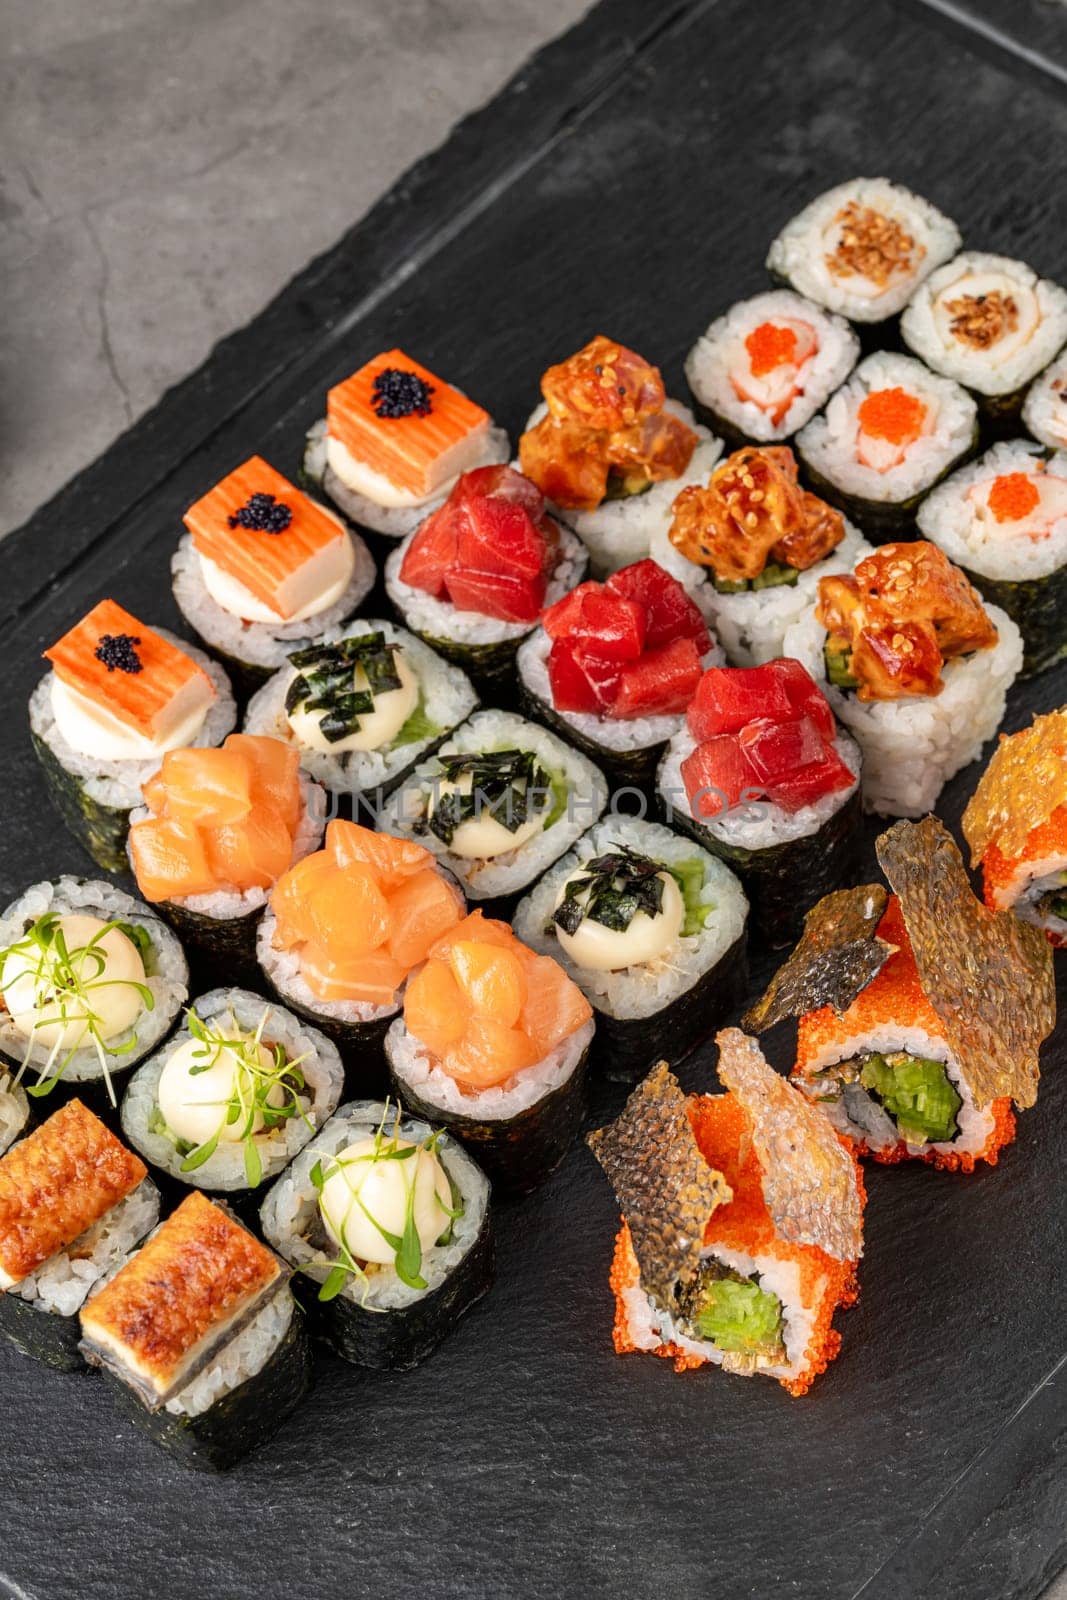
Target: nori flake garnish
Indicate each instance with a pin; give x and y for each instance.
(324, 681)
(503, 783)
(664, 1187)
(836, 958)
(620, 884)
(810, 1181)
(987, 974)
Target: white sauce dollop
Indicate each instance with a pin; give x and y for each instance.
(646, 939)
(362, 1196)
(109, 971)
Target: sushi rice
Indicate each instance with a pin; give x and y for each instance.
(224, 1170)
(751, 626)
(262, 645)
(393, 522)
(912, 747)
(510, 873)
(14, 1111)
(292, 1224)
(166, 976)
(62, 1284)
(721, 350)
(618, 532)
(641, 991)
(827, 445)
(447, 696)
(984, 366)
(1045, 406)
(856, 1115)
(800, 254)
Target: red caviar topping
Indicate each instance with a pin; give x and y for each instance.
(892, 414)
(1013, 496)
(769, 346)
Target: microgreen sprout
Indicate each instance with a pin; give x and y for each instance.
(67, 984)
(407, 1246)
(251, 1104)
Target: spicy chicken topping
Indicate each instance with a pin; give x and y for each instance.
(754, 512)
(893, 624)
(872, 246)
(606, 434)
(980, 320)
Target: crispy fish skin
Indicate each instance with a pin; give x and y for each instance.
(836, 957)
(58, 1182)
(196, 1279)
(1024, 783)
(666, 1190)
(809, 1177)
(988, 975)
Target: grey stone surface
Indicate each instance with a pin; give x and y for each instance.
(168, 165)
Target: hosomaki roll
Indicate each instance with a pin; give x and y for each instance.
(201, 1343)
(742, 1223)
(73, 1202)
(921, 1015)
(1016, 825)
(390, 1220)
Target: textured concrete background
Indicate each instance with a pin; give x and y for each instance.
(168, 165)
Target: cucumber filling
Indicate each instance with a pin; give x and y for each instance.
(775, 575)
(1053, 904)
(914, 1091)
(730, 1311)
(839, 668)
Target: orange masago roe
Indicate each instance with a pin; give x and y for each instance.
(487, 1007)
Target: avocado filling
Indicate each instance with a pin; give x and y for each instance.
(839, 668)
(775, 575)
(732, 1312)
(914, 1091)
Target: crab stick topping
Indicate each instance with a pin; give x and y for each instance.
(266, 550)
(122, 691)
(398, 433)
(178, 1297)
(55, 1184)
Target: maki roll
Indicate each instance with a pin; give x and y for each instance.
(609, 451)
(652, 930)
(885, 438)
(230, 1100)
(762, 776)
(264, 569)
(219, 827)
(493, 1046)
(362, 707)
(473, 579)
(1003, 521)
(614, 666)
(201, 1344)
(73, 1202)
(752, 546)
(393, 442)
(498, 803)
(346, 926)
(763, 369)
(1045, 408)
(1016, 826)
(742, 1223)
(117, 697)
(863, 248)
(391, 1219)
(914, 666)
(989, 322)
(90, 981)
(923, 1060)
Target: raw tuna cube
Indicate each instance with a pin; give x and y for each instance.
(670, 613)
(661, 683)
(614, 627)
(500, 483)
(580, 680)
(777, 750)
(433, 552)
(717, 777)
(805, 696)
(497, 594)
(499, 536)
(728, 698)
(811, 783)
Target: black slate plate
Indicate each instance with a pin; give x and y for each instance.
(628, 180)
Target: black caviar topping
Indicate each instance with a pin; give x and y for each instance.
(401, 394)
(262, 514)
(118, 652)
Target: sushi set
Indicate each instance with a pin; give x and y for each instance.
(491, 770)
